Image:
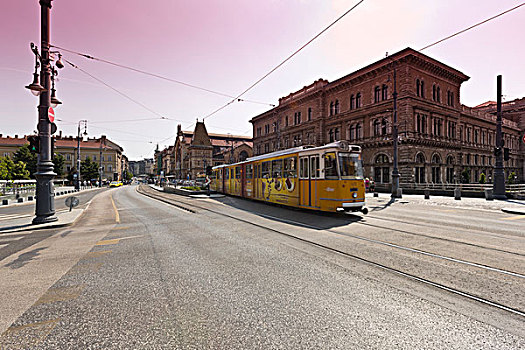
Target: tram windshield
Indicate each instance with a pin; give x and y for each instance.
(350, 166)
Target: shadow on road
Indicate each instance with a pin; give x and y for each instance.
(24, 258)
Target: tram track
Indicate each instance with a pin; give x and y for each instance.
(193, 208)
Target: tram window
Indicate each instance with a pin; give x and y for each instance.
(227, 173)
(265, 170)
(277, 167)
(249, 171)
(289, 167)
(237, 172)
(330, 166)
(303, 170)
(350, 166)
(314, 167)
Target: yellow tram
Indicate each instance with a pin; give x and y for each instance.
(326, 178)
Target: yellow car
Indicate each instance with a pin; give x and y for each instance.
(115, 184)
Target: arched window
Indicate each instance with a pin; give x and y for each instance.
(384, 92)
(376, 94)
(433, 92)
(422, 88)
(450, 170)
(382, 169)
(383, 126)
(352, 133)
(336, 134)
(358, 100)
(243, 155)
(436, 168)
(438, 94)
(352, 102)
(309, 113)
(331, 108)
(418, 88)
(419, 169)
(336, 107)
(377, 127)
(358, 131)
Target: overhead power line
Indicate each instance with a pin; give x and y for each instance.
(156, 75)
(473, 26)
(117, 91)
(284, 61)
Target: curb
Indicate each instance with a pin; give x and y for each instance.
(31, 227)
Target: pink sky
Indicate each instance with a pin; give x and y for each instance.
(226, 45)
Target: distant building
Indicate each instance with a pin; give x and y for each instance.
(440, 140)
(194, 151)
(100, 150)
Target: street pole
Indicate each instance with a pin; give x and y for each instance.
(498, 186)
(45, 193)
(77, 185)
(395, 171)
(100, 163)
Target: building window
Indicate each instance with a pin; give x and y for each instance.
(110, 168)
(418, 88)
(352, 132)
(376, 94)
(421, 123)
(336, 134)
(68, 168)
(352, 102)
(331, 135)
(358, 100)
(450, 170)
(382, 169)
(419, 169)
(358, 131)
(434, 93)
(68, 156)
(436, 169)
(438, 126)
(297, 118)
(383, 126)
(336, 107)
(109, 158)
(384, 92)
(331, 108)
(377, 127)
(452, 130)
(476, 136)
(309, 113)
(438, 94)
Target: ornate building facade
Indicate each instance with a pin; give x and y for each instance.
(440, 140)
(194, 151)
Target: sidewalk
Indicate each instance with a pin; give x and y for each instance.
(18, 223)
(59, 192)
(512, 206)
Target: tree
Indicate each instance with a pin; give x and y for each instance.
(128, 175)
(10, 170)
(88, 170)
(58, 164)
(465, 175)
(512, 177)
(24, 155)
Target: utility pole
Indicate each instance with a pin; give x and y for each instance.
(498, 186)
(45, 193)
(395, 171)
(100, 162)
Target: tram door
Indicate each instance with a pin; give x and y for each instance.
(309, 174)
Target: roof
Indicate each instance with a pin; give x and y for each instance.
(64, 142)
(486, 104)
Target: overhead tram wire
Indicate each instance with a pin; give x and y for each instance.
(157, 75)
(117, 91)
(473, 26)
(283, 62)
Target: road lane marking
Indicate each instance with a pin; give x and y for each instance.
(108, 241)
(514, 217)
(120, 228)
(26, 336)
(117, 216)
(53, 295)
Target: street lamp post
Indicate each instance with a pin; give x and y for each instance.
(45, 194)
(77, 184)
(395, 171)
(499, 175)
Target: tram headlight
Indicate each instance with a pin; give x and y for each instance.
(354, 194)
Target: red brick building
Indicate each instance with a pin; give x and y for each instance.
(440, 140)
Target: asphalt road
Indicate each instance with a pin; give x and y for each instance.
(135, 272)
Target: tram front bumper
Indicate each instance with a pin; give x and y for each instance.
(355, 206)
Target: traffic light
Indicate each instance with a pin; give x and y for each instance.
(506, 153)
(34, 143)
(208, 170)
(497, 151)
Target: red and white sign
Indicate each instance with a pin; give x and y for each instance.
(51, 114)
(523, 138)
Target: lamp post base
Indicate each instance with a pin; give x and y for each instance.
(45, 195)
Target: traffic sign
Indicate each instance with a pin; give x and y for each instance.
(523, 138)
(51, 114)
(72, 202)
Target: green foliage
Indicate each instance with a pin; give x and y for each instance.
(10, 170)
(465, 175)
(24, 155)
(482, 178)
(58, 164)
(88, 170)
(128, 175)
(511, 178)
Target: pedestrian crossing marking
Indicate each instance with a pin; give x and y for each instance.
(60, 294)
(97, 254)
(108, 242)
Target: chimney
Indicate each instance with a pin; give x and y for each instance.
(179, 130)
(60, 134)
(16, 136)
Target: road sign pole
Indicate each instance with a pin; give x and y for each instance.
(45, 193)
